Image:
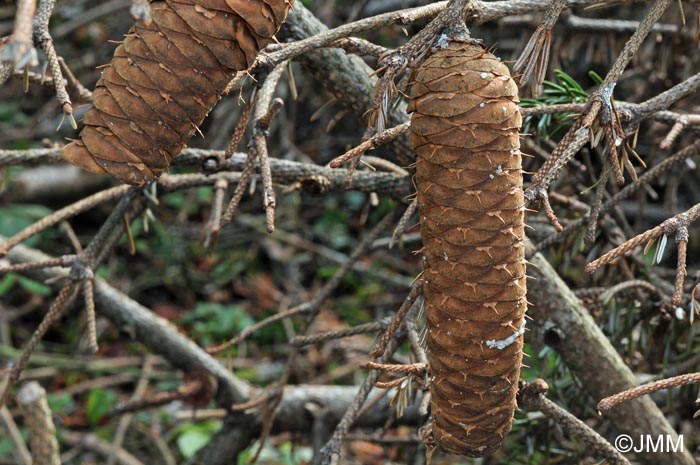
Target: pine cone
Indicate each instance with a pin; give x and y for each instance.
(464, 129)
(165, 78)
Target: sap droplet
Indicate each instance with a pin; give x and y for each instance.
(484, 75)
(618, 141)
(481, 105)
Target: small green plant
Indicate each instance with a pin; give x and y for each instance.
(565, 90)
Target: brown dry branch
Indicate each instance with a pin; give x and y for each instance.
(414, 368)
(629, 190)
(64, 299)
(156, 333)
(681, 272)
(18, 51)
(213, 226)
(125, 420)
(241, 126)
(62, 215)
(301, 341)
(677, 224)
(39, 421)
(598, 196)
(330, 452)
(600, 102)
(43, 37)
(369, 144)
(21, 452)
(265, 109)
(246, 174)
(402, 225)
(91, 329)
(380, 347)
(81, 270)
(533, 61)
(252, 329)
(576, 336)
(613, 401)
(532, 397)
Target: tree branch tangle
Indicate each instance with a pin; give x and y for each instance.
(465, 130)
(163, 80)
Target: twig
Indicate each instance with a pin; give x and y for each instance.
(252, 329)
(681, 273)
(414, 368)
(18, 51)
(93, 443)
(633, 393)
(43, 37)
(60, 304)
(213, 226)
(403, 222)
(533, 61)
(532, 397)
(20, 452)
(269, 60)
(578, 135)
(383, 342)
(39, 421)
(301, 341)
(671, 225)
(369, 144)
(629, 190)
(239, 130)
(265, 109)
(61, 215)
(89, 296)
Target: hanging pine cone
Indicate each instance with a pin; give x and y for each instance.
(464, 129)
(163, 80)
